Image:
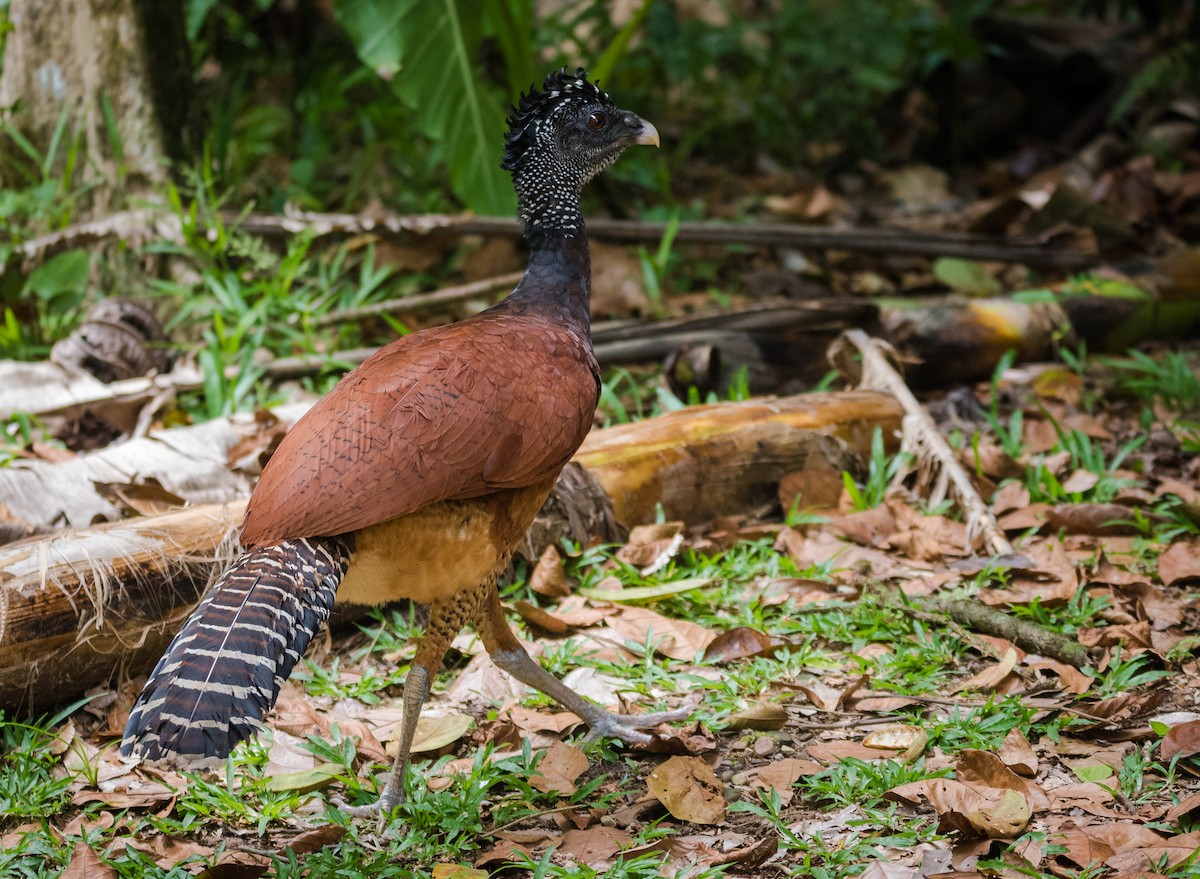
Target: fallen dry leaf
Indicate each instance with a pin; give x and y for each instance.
(85, 864)
(530, 720)
(1017, 754)
(548, 577)
(595, 846)
(1098, 519)
(1187, 806)
(543, 620)
(837, 751)
(740, 642)
(1168, 852)
(146, 794)
(146, 498)
(306, 780)
(436, 732)
(650, 547)
(1160, 611)
(560, 765)
(678, 639)
(457, 871)
(502, 853)
(822, 696)
(984, 769)
(759, 715)
(1086, 796)
(1181, 562)
(994, 813)
(689, 789)
(1127, 706)
(989, 677)
(911, 739)
(315, 839)
(781, 775)
(1182, 739)
(288, 755)
(167, 851)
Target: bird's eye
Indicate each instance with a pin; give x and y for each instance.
(597, 121)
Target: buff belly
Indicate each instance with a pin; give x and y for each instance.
(440, 550)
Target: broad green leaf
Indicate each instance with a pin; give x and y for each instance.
(427, 48)
(966, 276)
(65, 273)
(1093, 772)
(511, 23)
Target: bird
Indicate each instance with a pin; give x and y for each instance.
(417, 475)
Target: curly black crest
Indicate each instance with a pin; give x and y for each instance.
(559, 88)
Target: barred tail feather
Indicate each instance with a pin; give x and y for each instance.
(225, 668)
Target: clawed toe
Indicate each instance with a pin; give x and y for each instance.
(645, 721)
(378, 809)
(628, 727)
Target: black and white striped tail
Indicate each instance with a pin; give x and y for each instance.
(224, 669)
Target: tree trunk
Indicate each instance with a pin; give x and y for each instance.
(117, 71)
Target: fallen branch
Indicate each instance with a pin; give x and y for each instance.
(1028, 250)
(937, 462)
(145, 224)
(1027, 635)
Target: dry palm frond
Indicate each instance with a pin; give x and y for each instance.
(938, 472)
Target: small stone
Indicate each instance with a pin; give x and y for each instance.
(732, 794)
(726, 775)
(608, 820)
(765, 746)
(739, 779)
(787, 749)
(740, 745)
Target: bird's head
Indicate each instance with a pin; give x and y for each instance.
(566, 134)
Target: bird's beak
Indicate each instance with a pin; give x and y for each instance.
(648, 136)
(640, 130)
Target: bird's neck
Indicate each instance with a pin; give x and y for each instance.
(548, 199)
(557, 282)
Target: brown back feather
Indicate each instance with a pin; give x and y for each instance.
(500, 400)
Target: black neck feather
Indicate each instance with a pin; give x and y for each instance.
(557, 281)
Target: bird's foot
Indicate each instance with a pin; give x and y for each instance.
(628, 727)
(381, 809)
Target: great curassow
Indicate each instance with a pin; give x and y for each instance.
(417, 475)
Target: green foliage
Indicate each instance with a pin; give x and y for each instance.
(47, 306)
(1008, 433)
(882, 470)
(427, 50)
(1123, 674)
(1171, 380)
(40, 190)
(656, 266)
(247, 299)
(966, 276)
(858, 782)
(804, 73)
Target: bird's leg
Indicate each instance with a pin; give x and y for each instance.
(446, 619)
(506, 651)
